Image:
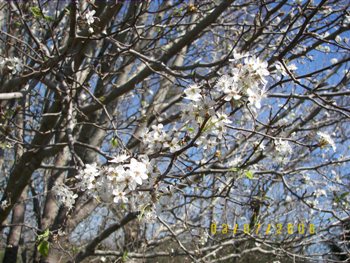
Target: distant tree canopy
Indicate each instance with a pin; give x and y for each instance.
(174, 131)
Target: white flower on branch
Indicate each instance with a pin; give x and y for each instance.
(11, 65)
(4, 204)
(320, 192)
(236, 55)
(138, 171)
(283, 150)
(288, 199)
(219, 124)
(119, 196)
(283, 147)
(150, 214)
(174, 145)
(88, 176)
(325, 140)
(120, 158)
(245, 79)
(230, 87)
(89, 17)
(258, 69)
(193, 93)
(64, 195)
(154, 139)
(255, 96)
(118, 181)
(334, 61)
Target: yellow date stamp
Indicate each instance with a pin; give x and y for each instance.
(263, 229)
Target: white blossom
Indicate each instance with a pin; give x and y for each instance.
(245, 79)
(64, 195)
(219, 124)
(207, 143)
(257, 68)
(138, 170)
(320, 192)
(120, 196)
(283, 150)
(4, 204)
(117, 182)
(292, 67)
(174, 145)
(193, 93)
(236, 55)
(281, 70)
(289, 199)
(230, 87)
(153, 140)
(334, 61)
(88, 176)
(89, 17)
(325, 139)
(207, 107)
(255, 96)
(13, 65)
(150, 214)
(120, 158)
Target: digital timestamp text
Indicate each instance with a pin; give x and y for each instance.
(263, 229)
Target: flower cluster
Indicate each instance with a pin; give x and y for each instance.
(281, 70)
(203, 123)
(201, 106)
(200, 111)
(246, 79)
(64, 195)
(10, 65)
(325, 140)
(154, 138)
(219, 123)
(193, 93)
(89, 17)
(283, 150)
(119, 180)
(4, 204)
(88, 177)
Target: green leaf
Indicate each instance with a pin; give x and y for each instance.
(190, 129)
(340, 198)
(4, 145)
(114, 142)
(142, 212)
(49, 18)
(249, 174)
(343, 195)
(74, 249)
(125, 256)
(43, 248)
(36, 12)
(44, 235)
(233, 169)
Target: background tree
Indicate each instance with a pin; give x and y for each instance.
(129, 129)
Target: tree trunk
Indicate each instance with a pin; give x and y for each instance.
(14, 236)
(18, 213)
